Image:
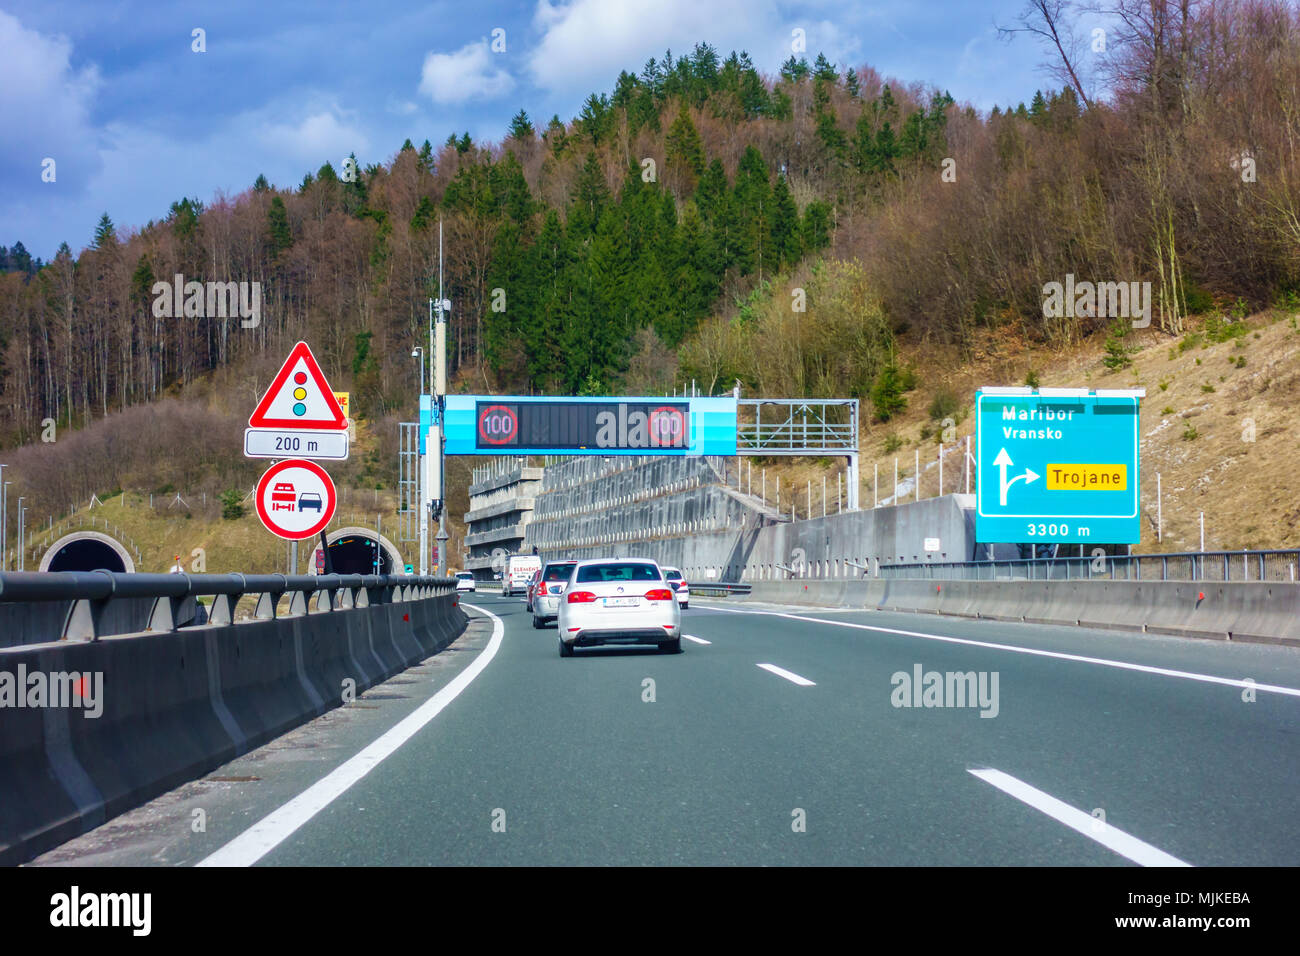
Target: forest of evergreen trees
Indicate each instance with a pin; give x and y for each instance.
(658, 235)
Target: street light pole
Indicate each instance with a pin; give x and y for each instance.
(20, 532)
(439, 394)
(4, 519)
(423, 563)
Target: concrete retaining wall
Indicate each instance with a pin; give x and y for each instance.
(177, 705)
(1242, 611)
(678, 512)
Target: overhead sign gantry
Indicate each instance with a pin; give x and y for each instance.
(513, 425)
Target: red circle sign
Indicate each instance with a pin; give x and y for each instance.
(497, 425)
(295, 499)
(667, 428)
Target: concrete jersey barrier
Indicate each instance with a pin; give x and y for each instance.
(177, 705)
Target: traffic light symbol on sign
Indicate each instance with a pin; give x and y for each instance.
(299, 397)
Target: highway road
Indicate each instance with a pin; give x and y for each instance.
(776, 737)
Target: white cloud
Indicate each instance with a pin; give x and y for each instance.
(324, 133)
(585, 43)
(45, 108)
(467, 74)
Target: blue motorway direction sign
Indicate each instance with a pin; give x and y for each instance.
(1057, 466)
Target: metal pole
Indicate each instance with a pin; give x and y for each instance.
(1202, 532)
(440, 388)
(4, 520)
(916, 492)
(293, 557)
(940, 470)
(764, 485)
(1160, 511)
(875, 492)
(895, 498)
(839, 493)
(20, 532)
(823, 496)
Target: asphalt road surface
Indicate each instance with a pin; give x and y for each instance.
(777, 736)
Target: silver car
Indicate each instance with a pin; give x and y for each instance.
(547, 597)
(618, 601)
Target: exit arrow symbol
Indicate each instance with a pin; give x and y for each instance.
(1003, 462)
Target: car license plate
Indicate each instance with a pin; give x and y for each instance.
(620, 602)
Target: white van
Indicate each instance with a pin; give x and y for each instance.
(520, 569)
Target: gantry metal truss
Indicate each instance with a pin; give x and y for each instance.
(803, 427)
(408, 484)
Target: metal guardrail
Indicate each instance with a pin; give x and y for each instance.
(718, 587)
(174, 595)
(1213, 566)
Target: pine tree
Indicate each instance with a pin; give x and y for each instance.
(555, 135)
(426, 157)
(277, 219)
(684, 150)
(105, 233)
(591, 197)
(816, 227)
(424, 215)
(785, 225)
(521, 127)
(851, 83)
(1038, 107)
(824, 71)
(260, 185)
(753, 203)
(792, 70)
(407, 146)
(142, 283)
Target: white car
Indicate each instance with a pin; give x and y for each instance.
(465, 581)
(680, 587)
(546, 600)
(618, 601)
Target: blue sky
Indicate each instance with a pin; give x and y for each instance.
(135, 119)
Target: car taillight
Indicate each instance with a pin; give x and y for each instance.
(581, 597)
(659, 594)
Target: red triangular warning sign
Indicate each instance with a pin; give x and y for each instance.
(299, 397)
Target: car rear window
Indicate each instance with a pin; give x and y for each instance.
(619, 572)
(671, 573)
(558, 572)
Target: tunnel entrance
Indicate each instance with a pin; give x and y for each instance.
(357, 554)
(87, 551)
(86, 554)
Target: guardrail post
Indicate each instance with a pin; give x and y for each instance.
(83, 620)
(265, 610)
(164, 614)
(223, 608)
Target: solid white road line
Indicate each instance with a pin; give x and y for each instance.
(1059, 655)
(1126, 845)
(697, 640)
(791, 677)
(272, 830)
